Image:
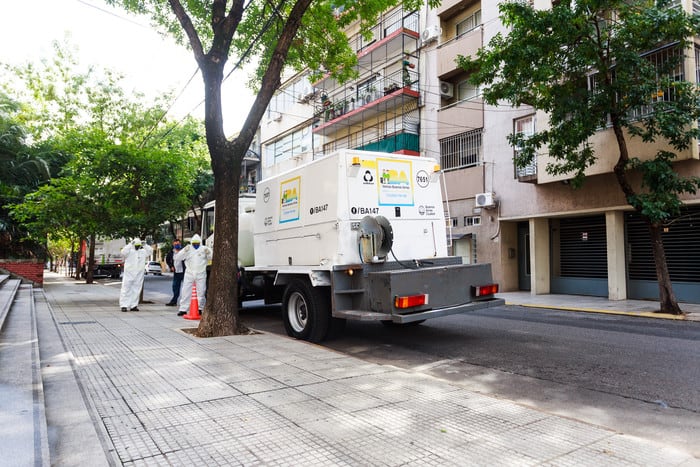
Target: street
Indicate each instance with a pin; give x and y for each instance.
(637, 375)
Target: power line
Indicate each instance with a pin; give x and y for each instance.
(162, 116)
(111, 13)
(235, 67)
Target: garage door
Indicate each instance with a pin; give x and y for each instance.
(682, 244)
(579, 256)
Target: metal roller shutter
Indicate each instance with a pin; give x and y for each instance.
(582, 247)
(580, 256)
(681, 242)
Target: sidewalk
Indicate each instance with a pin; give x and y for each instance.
(640, 308)
(159, 396)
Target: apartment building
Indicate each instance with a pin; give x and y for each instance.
(538, 233)
(377, 111)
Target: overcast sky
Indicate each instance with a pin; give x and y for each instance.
(114, 39)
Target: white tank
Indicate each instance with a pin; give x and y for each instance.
(312, 215)
(246, 213)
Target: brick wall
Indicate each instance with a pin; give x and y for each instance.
(25, 269)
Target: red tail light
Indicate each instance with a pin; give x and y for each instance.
(483, 290)
(410, 301)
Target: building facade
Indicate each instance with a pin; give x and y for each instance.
(538, 232)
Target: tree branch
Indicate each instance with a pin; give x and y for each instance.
(189, 29)
(234, 17)
(271, 77)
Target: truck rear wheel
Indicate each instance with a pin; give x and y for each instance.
(306, 311)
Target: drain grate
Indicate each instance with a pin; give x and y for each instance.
(77, 322)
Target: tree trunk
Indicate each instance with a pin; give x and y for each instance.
(221, 317)
(667, 299)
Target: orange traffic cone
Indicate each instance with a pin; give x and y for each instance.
(194, 305)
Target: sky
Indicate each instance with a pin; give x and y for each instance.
(114, 39)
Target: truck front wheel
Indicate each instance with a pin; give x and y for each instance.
(306, 311)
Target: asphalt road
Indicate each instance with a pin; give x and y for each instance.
(637, 375)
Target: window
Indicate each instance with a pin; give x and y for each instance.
(673, 4)
(297, 92)
(367, 91)
(469, 23)
(252, 180)
(470, 221)
(662, 59)
(466, 90)
(526, 127)
(669, 66)
(288, 146)
(462, 150)
(454, 221)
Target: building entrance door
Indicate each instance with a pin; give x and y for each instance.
(523, 256)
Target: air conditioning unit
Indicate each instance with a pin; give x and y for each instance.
(430, 34)
(484, 200)
(447, 90)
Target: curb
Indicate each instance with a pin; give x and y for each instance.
(640, 314)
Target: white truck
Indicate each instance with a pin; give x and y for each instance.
(354, 235)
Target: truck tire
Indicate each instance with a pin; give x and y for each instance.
(306, 311)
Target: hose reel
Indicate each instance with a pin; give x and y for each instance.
(376, 239)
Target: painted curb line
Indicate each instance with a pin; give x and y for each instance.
(641, 314)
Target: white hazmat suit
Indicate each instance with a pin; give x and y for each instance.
(135, 257)
(196, 257)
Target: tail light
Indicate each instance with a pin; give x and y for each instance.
(483, 290)
(410, 301)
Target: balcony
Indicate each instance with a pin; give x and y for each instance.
(386, 96)
(527, 174)
(460, 116)
(404, 141)
(400, 143)
(450, 8)
(467, 44)
(395, 35)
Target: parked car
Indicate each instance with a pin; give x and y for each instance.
(110, 270)
(153, 267)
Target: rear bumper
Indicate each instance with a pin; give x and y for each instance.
(419, 316)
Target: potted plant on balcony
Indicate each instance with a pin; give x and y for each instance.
(340, 107)
(391, 88)
(327, 109)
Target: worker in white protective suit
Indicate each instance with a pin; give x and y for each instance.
(196, 257)
(136, 255)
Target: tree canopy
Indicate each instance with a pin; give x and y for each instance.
(125, 168)
(23, 168)
(593, 65)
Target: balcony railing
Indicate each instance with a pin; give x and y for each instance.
(404, 142)
(387, 25)
(355, 95)
(394, 36)
(528, 174)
